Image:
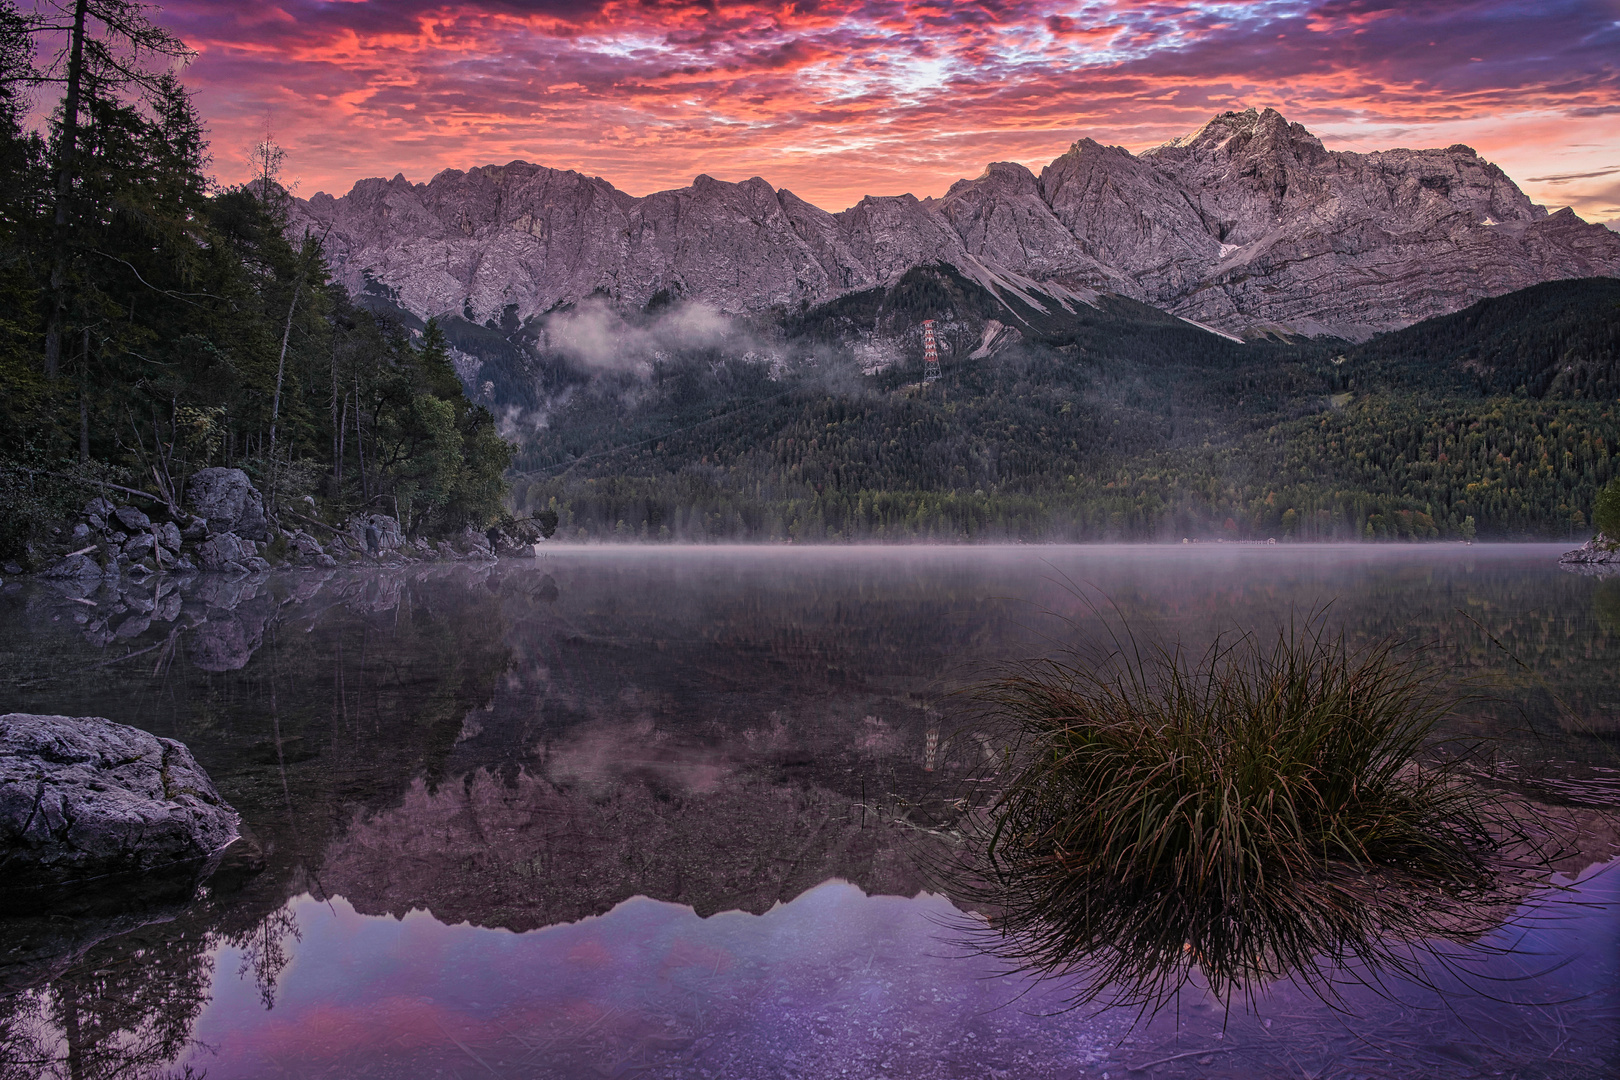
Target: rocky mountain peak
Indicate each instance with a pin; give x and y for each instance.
(1248, 223)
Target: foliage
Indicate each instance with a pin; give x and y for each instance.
(1117, 422)
(1606, 513)
(1245, 815)
(196, 327)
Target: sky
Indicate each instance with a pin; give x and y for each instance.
(836, 99)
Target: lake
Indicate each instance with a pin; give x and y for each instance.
(677, 812)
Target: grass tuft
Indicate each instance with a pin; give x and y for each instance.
(1251, 813)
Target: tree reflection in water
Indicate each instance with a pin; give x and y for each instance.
(519, 745)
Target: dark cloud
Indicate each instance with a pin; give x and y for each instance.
(1565, 178)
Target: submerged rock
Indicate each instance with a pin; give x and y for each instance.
(83, 798)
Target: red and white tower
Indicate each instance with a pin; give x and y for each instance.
(930, 352)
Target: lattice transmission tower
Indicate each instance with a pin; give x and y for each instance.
(930, 353)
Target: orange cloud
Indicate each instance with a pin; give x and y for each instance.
(836, 99)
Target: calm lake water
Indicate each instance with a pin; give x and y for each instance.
(653, 812)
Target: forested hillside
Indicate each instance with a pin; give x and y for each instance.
(153, 324)
(1117, 423)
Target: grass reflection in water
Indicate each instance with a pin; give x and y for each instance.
(1232, 818)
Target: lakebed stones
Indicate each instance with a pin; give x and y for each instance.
(83, 798)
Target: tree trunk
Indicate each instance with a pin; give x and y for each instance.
(281, 364)
(342, 436)
(360, 441)
(64, 195)
(84, 402)
(337, 424)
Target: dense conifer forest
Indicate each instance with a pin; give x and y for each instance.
(153, 323)
(1501, 421)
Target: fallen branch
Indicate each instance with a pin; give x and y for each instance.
(314, 521)
(92, 483)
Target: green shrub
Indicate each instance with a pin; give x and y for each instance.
(1249, 814)
(1606, 512)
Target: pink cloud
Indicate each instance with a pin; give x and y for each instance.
(840, 98)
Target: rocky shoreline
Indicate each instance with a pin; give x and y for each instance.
(225, 527)
(1599, 556)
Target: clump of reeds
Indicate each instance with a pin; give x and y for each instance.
(1248, 813)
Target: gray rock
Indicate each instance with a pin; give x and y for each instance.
(217, 552)
(1600, 551)
(168, 534)
(474, 543)
(304, 546)
(1248, 223)
(98, 507)
(83, 797)
(230, 502)
(77, 567)
(81, 531)
(195, 529)
(140, 545)
(375, 534)
(132, 519)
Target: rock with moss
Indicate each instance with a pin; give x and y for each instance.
(84, 798)
(1601, 554)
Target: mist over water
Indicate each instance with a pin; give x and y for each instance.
(632, 811)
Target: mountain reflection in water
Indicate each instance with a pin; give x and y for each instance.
(533, 750)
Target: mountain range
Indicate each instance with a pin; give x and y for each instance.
(1247, 225)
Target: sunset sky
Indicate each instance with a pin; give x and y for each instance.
(836, 99)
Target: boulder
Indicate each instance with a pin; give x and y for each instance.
(519, 542)
(472, 542)
(140, 546)
(168, 534)
(375, 534)
(303, 547)
(1598, 555)
(230, 502)
(218, 551)
(76, 567)
(132, 519)
(83, 798)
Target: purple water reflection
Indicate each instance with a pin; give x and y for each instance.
(835, 984)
